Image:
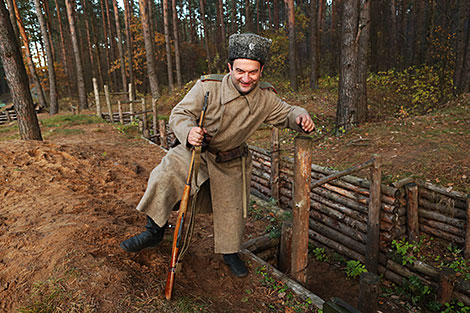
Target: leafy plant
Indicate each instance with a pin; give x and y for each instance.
(320, 254)
(407, 251)
(354, 268)
(455, 307)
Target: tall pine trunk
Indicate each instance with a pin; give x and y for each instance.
(362, 65)
(63, 53)
(179, 80)
(53, 104)
(82, 98)
(169, 58)
(149, 49)
(11, 12)
(206, 34)
(292, 45)
(29, 59)
(127, 19)
(112, 48)
(17, 79)
(120, 49)
(88, 38)
(107, 58)
(346, 115)
(313, 44)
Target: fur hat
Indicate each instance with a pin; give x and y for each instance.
(248, 46)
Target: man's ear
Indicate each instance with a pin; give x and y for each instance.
(262, 67)
(229, 67)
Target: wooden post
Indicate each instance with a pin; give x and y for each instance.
(447, 278)
(97, 97)
(285, 248)
(301, 192)
(162, 128)
(373, 223)
(155, 117)
(8, 115)
(121, 117)
(131, 102)
(275, 162)
(412, 212)
(145, 131)
(108, 103)
(368, 292)
(467, 231)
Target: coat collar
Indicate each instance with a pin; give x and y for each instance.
(230, 93)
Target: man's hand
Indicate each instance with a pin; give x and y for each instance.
(305, 122)
(196, 135)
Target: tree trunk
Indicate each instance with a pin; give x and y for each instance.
(54, 106)
(221, 30)
(192, 27)
(88, 38)
(149, 49)
(127, 20)
(47, 11)
(11, 11)
(249, 27)
(82, 98)
(362, 64)
(313, 44)
(120, 49)
(29, 59)
(63, 50)
(206, 34)
(17, 79)
(169, 58)
(106, 47)
(112, 48)
(346, 109)
(97, 50)
(179, 81)
(292, 45)
(461, 35)
(233, 19)
(276, 14)
(466, 70)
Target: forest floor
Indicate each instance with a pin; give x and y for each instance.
(67, 202)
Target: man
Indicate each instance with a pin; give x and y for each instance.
(237, 105)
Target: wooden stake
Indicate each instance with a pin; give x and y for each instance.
(447, 280)
(162, 128)
(131, 101)
(108, 103)
(301, 192)
(145, 130)
(155, 117)
(368, 293)
(373, 223)
(467, 230)
(97, 97)
(412, 212)
(275, 164)
(121, 118)
(285, 248)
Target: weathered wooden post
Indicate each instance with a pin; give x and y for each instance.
(162, 128)
(121, 117)
(447, 278)
(301, 193)
(285, 248)
(108, 103)
(97, 97)
(467, 231)
(368, 292)
(373, 223)
(9, 119)
(145, 130)
(275, 162)
(412, 212)
(131, 102)
(155, 118)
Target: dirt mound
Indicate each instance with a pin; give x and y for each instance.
(66, 205)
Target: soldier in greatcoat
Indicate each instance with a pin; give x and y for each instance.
(237, 105)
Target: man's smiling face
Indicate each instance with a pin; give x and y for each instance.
(245, 74)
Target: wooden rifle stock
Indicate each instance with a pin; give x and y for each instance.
(178, 234)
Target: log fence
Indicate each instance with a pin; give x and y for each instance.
(339, 209)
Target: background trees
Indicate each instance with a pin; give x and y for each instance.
(419, 47)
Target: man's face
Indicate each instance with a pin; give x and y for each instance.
(245, 74)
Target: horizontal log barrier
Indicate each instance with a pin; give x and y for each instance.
(444, 220)
(317, 218)
(441, 234)
(435, 197)
(447, 210)
(443, 191)
(261, 243)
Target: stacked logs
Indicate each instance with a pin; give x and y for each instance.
(7, 115)
(442, 212)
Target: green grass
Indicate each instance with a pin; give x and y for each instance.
(70, 120)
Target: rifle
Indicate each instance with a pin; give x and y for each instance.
(177, 235)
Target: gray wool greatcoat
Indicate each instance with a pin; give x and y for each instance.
(231, 118)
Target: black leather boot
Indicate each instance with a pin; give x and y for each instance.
(151, 237)
(237, 266)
